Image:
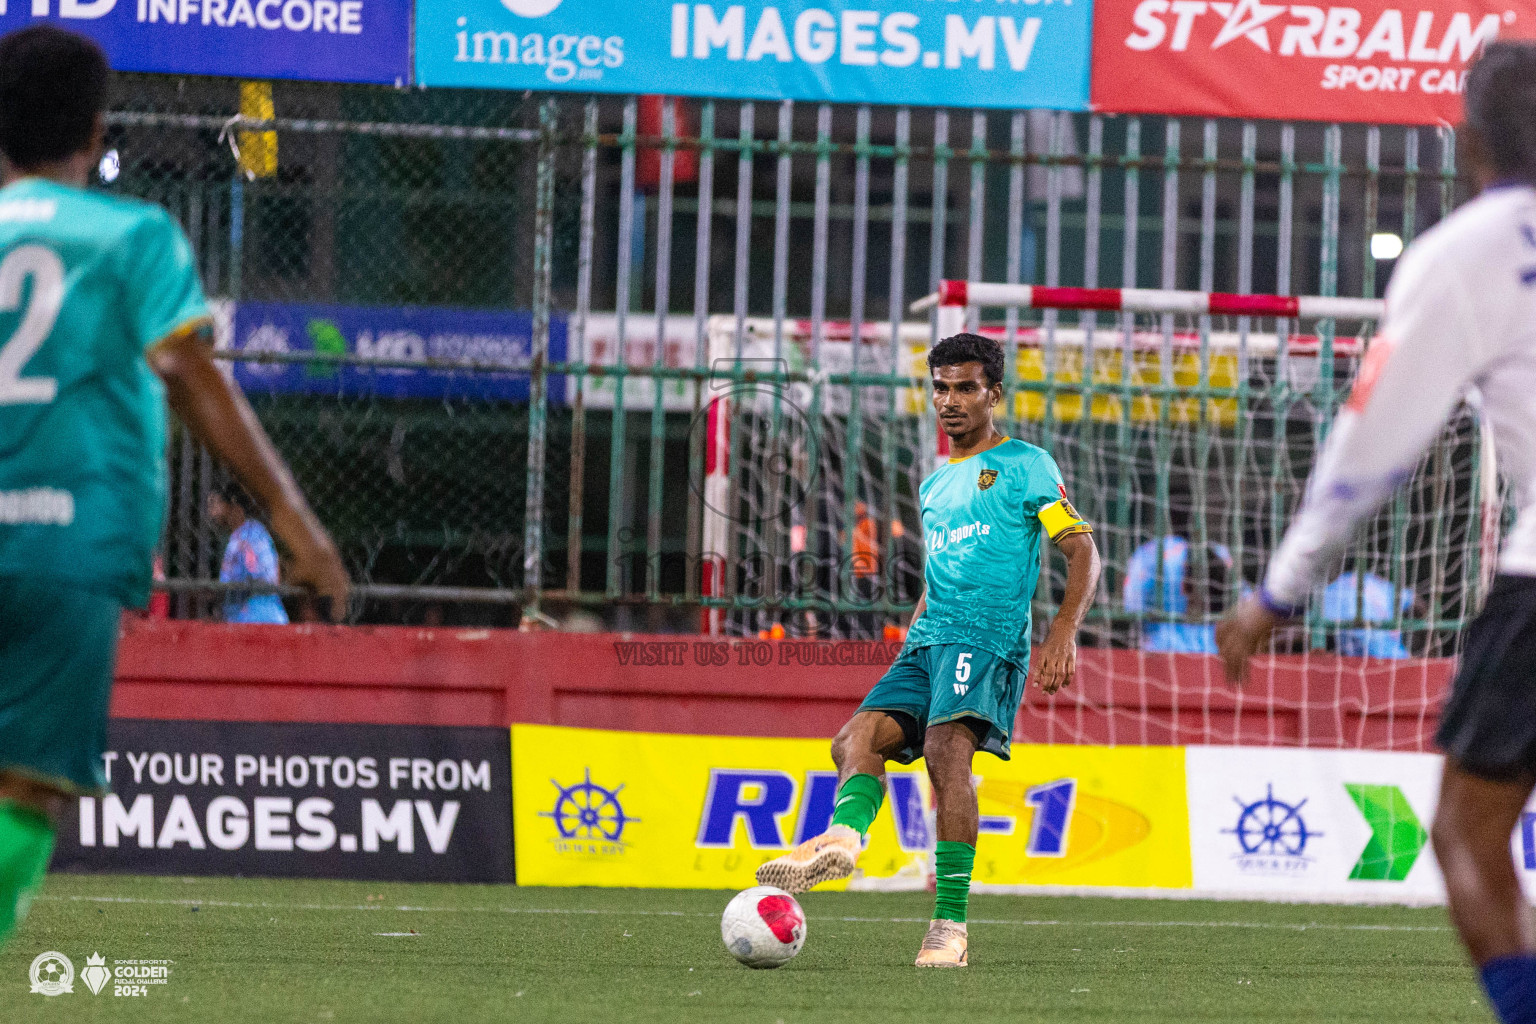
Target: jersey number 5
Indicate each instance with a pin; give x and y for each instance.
(46, 270)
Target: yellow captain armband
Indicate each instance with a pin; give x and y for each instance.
(1060, 519)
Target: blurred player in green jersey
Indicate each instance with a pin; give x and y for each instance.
(957, 684)
(102, 322)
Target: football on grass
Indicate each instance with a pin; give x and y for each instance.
(763, 927)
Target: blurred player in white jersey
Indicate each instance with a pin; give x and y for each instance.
(1461, 314)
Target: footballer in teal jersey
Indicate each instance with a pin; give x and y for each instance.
(983, 517)
(88, 283)
(958, 682)
(102, 323)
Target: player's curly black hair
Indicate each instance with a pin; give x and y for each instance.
(1501, 107)
(53, 84)
(969, 348)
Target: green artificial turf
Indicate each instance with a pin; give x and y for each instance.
(269, 950)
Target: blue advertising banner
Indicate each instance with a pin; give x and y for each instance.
(1002, 53)
(479, 337)
(324, 40)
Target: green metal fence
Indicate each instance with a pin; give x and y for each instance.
(730, 251)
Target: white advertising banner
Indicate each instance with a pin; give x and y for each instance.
(757, 348)
(602, 347)
(1313, 824)
(1323, 825)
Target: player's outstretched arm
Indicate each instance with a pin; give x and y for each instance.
(218, 415)
(1058, 655)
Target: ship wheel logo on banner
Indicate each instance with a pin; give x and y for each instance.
(588, 811)
(1271, 827)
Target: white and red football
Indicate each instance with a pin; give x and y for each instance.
(763, 927)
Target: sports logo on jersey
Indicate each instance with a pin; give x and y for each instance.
(987, 478)
(943, 537)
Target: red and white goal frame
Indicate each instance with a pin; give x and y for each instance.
(1129, 695)
(976, 294)
(955, 299)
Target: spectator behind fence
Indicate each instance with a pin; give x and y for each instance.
(1368, 598)
(1182, 595)
(249, 557)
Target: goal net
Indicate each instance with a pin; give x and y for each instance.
(1184, 438)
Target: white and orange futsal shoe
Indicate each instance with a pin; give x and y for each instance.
(822, 858)
(945, 945)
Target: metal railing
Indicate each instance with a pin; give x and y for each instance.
(723, 246)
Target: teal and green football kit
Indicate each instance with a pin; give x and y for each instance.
(967, 656)
(88, 283)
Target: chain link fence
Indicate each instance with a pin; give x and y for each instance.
(491, 331)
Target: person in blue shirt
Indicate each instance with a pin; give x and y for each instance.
(249, 557)
(1368, 598)
(1184, 594)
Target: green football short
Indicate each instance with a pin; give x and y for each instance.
(57, 646)
(948, 683)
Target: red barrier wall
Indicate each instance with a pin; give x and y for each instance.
(172, 669)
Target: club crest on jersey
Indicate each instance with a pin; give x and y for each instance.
(987, 478)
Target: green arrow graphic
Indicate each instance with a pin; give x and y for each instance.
(1396, 835)
(327, 338)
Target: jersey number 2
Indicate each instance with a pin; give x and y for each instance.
(47, 273)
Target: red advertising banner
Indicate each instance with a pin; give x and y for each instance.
(1375, 60)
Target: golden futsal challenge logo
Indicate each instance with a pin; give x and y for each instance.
(987, 478)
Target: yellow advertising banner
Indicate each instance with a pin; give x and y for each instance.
(1108, 374)
(594, 807)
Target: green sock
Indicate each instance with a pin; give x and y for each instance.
(858, 801)
(952, 865)
(26, 843)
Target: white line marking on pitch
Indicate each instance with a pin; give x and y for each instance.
(1025, 922)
